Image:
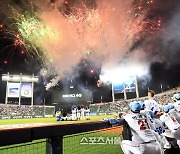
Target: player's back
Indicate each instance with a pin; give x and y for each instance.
(170, 121)
(151, 105)
(140, 128)
(177, 106)
(155, 124)
(159, 126)
(176, 114)
(73, 111)
(82, 110)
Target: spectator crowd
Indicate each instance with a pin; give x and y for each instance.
(8, 111)
(123, 105)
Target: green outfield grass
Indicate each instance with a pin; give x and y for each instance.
(49, 120)
(71, 143)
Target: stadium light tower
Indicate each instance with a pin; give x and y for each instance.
(137, 90)
(14, 86)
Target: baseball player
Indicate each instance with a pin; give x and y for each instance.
(143, 139)
(151, 104)
(74, 113)
(87, 111)
(174, 112)
(176, 97)
(82, 112)
(176, 100)
(78, 113)
(172, 126)
(157, 126)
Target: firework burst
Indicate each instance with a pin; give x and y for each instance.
(28, 32)
(60, 33)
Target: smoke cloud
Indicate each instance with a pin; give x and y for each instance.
(127, 37)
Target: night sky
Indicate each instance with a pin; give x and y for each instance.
(164, 48)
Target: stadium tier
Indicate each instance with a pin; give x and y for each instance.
(25, 111)
(123, 105)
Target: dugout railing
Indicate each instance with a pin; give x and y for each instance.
(89, 138)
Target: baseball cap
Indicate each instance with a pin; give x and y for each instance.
(171, 106)
(135, 107)
(177, 96)
(141, 104)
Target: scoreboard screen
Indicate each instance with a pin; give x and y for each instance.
(71, 95)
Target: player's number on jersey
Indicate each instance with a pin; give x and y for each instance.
(143, 124)
(160, 130)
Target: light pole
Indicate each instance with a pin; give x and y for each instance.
(113, 97)
(137, 90)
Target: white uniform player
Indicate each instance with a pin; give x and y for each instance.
(152, 105)
(74, 114)
(82, 113)
(157, 126)
(174, 112)
(78, 113)
(143, 140)
(176, 99)
(87, 114)
(173, 127)
(177, 106)
(154, 124)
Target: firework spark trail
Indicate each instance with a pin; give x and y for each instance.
(109, 29)
(26, 30)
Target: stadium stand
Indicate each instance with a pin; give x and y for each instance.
(93, 109)
(122, 105)
(104, 108)
(25, 111)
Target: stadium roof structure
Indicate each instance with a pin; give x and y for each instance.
(20, 78)
(15, 90)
